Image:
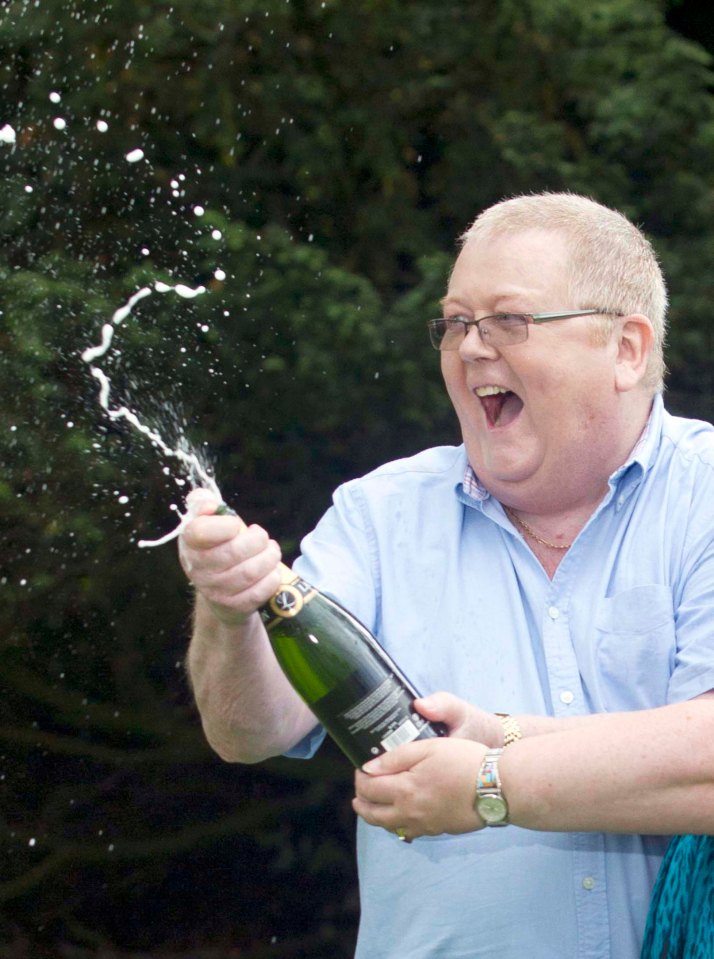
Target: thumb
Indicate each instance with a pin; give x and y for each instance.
(398, 760)
(200, 502)
(443, 707)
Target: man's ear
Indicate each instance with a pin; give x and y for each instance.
(635, 341)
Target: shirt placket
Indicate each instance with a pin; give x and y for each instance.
(567, 699)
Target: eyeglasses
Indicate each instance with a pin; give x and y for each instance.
(500, 329)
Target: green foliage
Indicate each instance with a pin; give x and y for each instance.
(336, 149)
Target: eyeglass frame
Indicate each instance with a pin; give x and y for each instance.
(531, 318)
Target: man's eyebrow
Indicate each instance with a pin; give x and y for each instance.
(501, 304)
(448, 299)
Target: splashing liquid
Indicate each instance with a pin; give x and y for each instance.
(198, 475)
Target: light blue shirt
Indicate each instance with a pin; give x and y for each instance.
(454, 593)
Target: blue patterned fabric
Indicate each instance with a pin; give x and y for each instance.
(681, 919)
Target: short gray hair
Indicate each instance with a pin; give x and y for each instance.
(612, 263)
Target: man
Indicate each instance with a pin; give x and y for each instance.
(558, 567)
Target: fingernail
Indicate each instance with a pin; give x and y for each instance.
(372, 767)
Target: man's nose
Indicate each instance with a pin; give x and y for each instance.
(474, 347)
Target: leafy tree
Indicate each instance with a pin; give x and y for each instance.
(309, 164)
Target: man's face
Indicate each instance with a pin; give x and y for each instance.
(554, 433)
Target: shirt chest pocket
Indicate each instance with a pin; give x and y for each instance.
(635, 648)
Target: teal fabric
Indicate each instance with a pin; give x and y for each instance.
(680, 924)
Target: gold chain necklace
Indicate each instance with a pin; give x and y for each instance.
(531, 532)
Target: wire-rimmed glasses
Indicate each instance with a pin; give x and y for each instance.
(498, 329)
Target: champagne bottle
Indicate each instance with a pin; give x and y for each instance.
(336, 665)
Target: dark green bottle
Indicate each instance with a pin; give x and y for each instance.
(339, 669)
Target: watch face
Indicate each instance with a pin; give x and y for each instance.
(492, 809)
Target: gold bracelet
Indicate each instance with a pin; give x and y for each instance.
(511, 729)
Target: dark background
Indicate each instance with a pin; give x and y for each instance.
(338, 147)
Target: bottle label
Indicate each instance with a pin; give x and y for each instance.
(377, 722)
(287, 602)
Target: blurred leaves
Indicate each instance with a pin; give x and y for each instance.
(310, 164)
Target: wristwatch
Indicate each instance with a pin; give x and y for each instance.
(490, 803)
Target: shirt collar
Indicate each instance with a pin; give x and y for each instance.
(472, 486)
(643, 453)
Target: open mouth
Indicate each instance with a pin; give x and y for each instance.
(500, 405)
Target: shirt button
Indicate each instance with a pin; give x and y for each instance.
(588, 882)
(567, 697)
(553, 612)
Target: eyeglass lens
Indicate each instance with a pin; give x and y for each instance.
(447, 334)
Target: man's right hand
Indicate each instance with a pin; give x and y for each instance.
(234, 567)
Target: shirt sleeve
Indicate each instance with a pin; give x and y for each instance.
(336, 558)
(339, 557)
(693, 672)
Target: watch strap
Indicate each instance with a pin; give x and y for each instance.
(488, 790)
(511, 729)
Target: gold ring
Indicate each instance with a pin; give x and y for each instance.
(401, 834)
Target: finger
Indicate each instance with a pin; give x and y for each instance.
(386, 817)
(374, 790)
(201, 501)
(227, 605)
(207, 530)
(199, 542)
(400, 759)
(240, 578)
(226, 570)
(463, 720)
(378, 795)
(442, 707)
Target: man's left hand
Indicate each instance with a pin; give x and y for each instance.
(424, 788)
